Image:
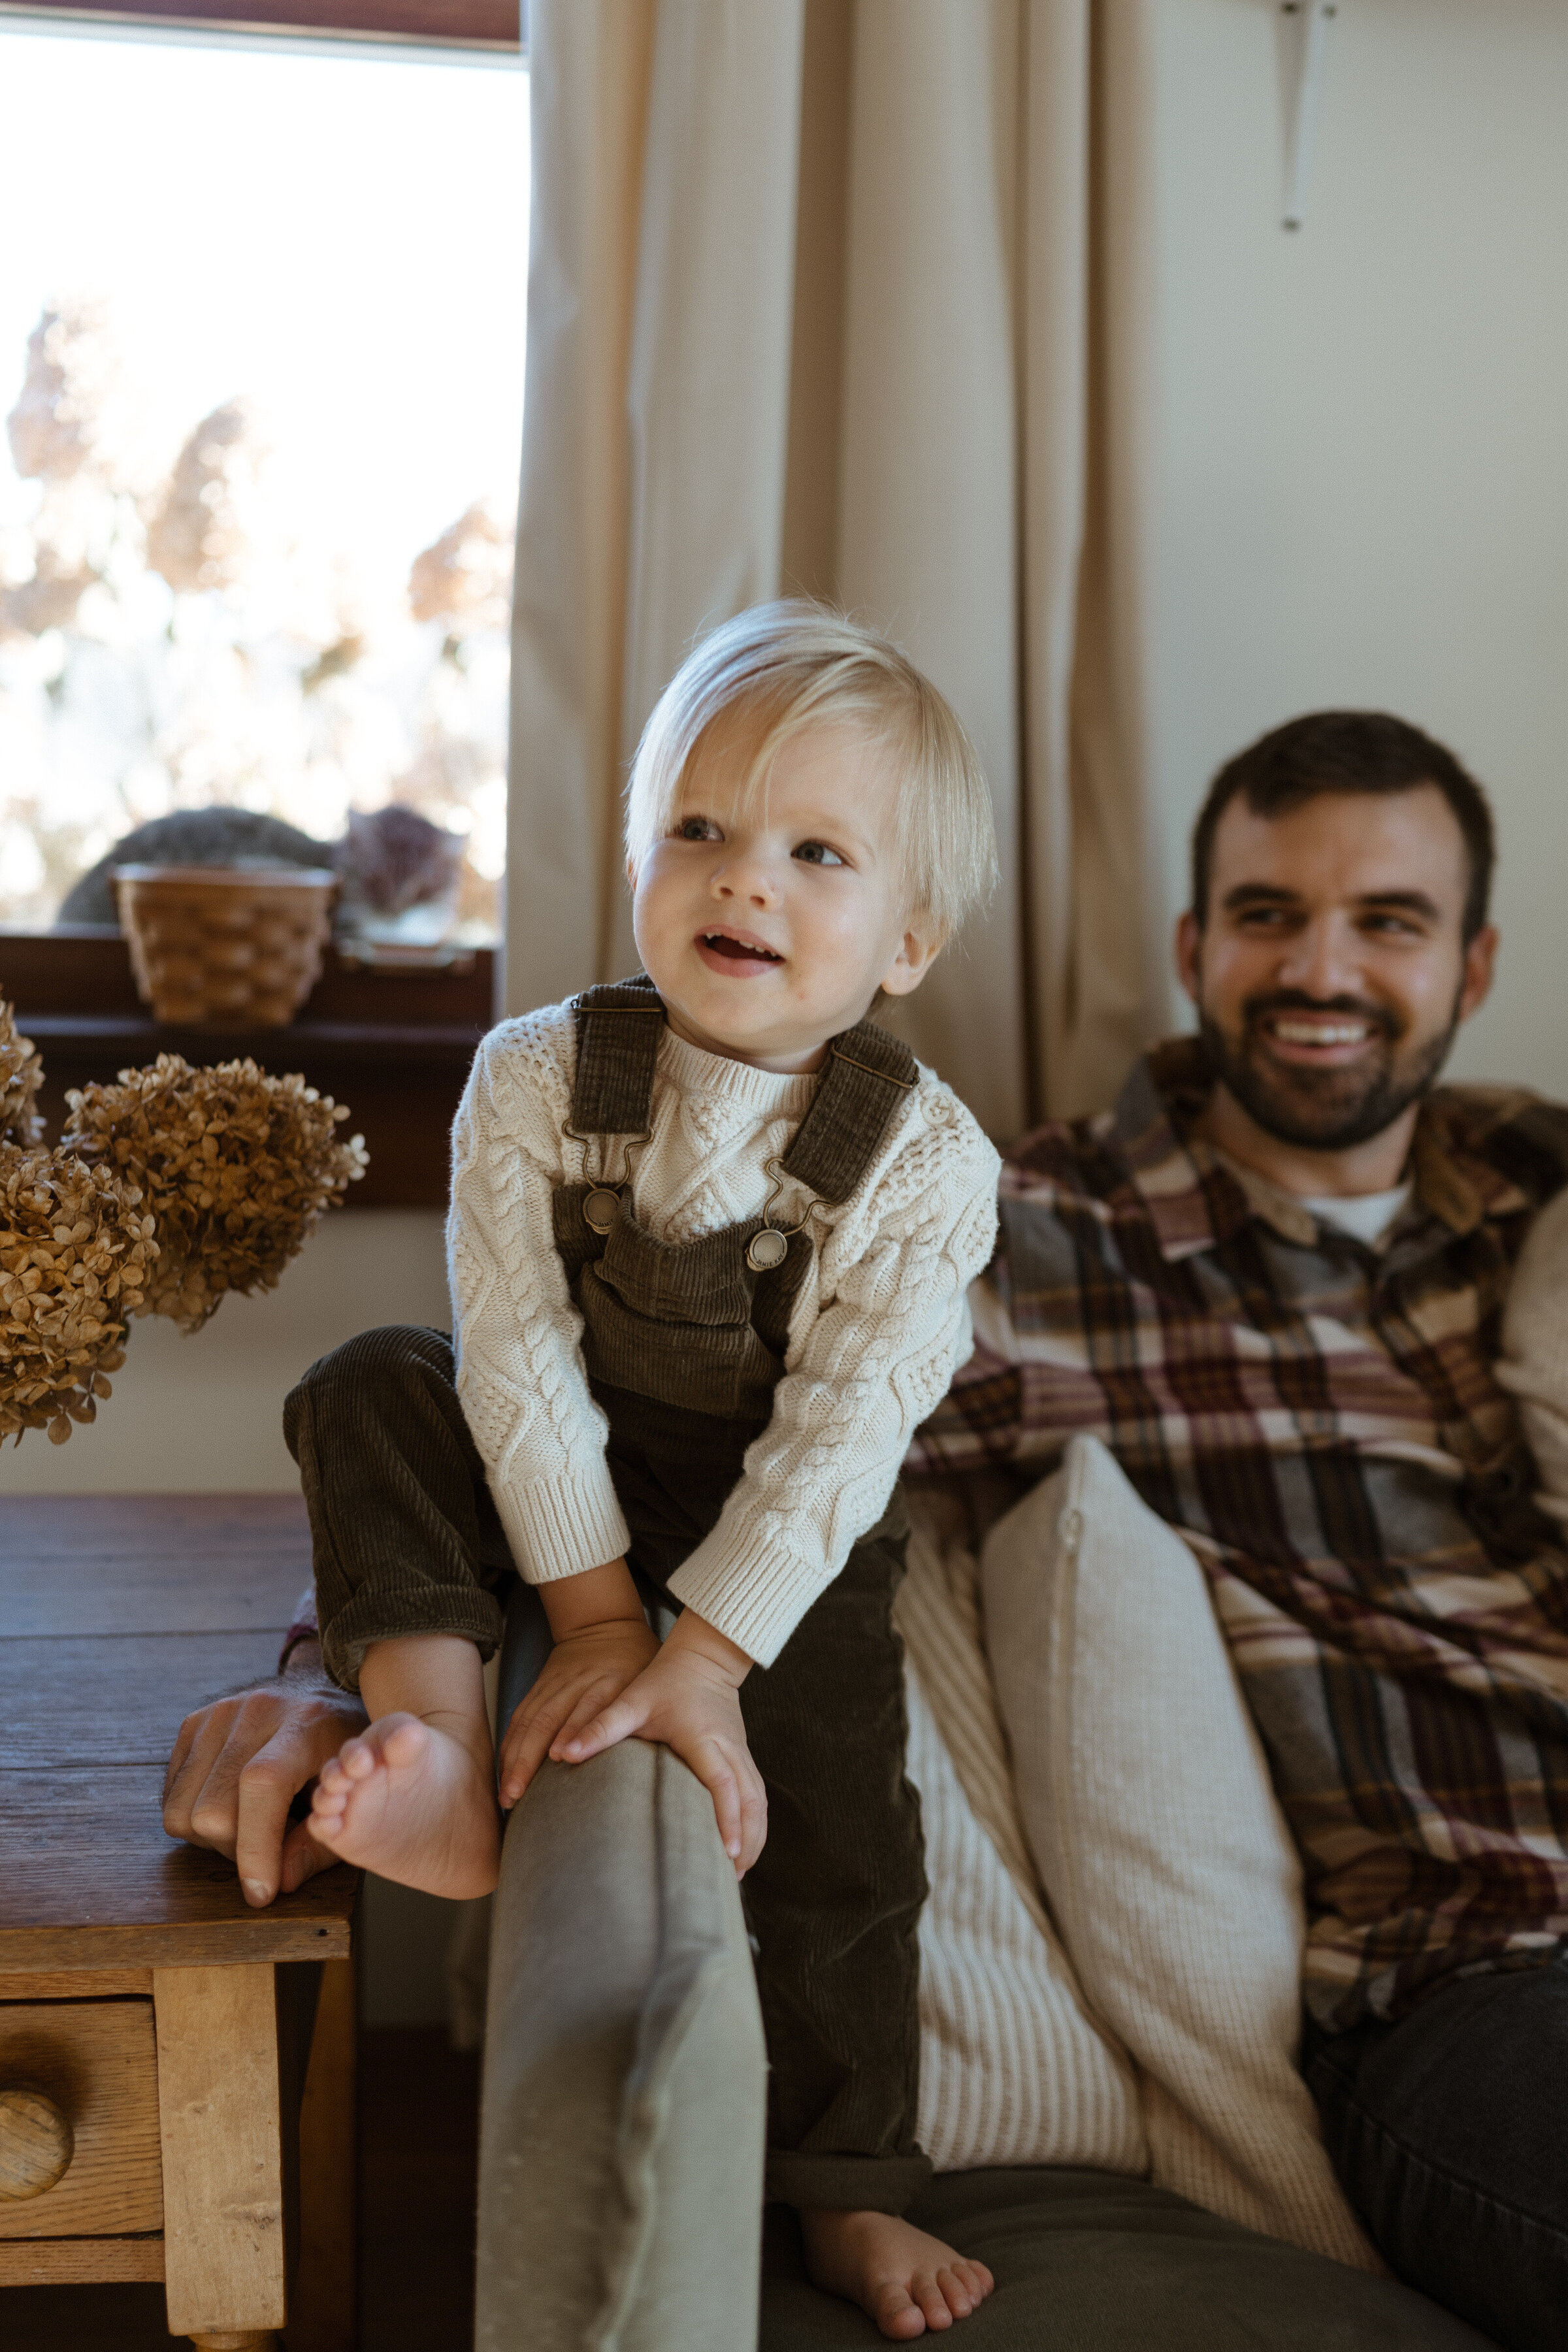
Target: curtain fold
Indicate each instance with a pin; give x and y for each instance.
(817, 301)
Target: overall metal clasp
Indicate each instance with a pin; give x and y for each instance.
(769, 1246)
(602, 1205)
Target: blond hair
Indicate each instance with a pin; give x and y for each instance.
(780, 669)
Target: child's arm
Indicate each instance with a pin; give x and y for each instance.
(608, 1679)
(890, 1327)
(519, 1374)
(1534, 1362)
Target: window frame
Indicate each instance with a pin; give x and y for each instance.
(366, 1034)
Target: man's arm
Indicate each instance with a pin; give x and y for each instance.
(239, 1762)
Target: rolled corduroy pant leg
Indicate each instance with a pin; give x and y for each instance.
(404, 1536)
(836, 1896)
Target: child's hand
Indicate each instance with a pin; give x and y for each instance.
(587, 1669)
(688, 1697)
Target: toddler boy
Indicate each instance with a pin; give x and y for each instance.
(711, 1237)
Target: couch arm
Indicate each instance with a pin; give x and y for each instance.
(624, 2098)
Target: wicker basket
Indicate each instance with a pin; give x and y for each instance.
(225, 946)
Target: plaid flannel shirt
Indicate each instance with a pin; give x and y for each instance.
(1324, 1424)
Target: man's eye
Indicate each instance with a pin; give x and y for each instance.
(817, 853)
(1397, 927)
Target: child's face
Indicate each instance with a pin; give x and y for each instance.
(766, 936)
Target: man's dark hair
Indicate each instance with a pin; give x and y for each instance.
(1347, 751)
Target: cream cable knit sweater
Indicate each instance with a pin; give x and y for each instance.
(879, 1326)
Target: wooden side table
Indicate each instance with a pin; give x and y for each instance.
(183, 2064)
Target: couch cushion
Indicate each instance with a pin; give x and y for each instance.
(1013, 2070)
(625, 2078)
(1163, 1852)
(1087, 2262)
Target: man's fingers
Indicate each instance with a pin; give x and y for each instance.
(267, 1787)
(185, 1741)
(202, 1741)
(303, 1857)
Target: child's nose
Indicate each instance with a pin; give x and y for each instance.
(748, 877)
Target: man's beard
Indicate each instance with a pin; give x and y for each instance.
(1330, 1109)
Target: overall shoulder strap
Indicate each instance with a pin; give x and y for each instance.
(618, 1030)
(867, 1076)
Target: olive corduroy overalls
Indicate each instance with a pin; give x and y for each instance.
(683, 1344)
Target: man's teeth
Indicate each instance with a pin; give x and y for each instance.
(1320, 1032)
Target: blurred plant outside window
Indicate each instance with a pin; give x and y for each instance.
(261, 350)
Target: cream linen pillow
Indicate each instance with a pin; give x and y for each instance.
(1163, 1855)
(1013, 2068)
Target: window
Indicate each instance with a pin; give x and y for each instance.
(262, 311)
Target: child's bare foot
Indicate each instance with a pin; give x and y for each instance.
(904, 2280)
(411, 1803)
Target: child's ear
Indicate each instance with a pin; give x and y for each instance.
(918, 951)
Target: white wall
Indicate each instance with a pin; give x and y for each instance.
(205, 1414)
(1353, 454)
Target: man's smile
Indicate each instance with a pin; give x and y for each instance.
(1315, 1040)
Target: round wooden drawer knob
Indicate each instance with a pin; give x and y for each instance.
(35, 2144)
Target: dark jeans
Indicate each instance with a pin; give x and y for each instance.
(1450, 2131)
(406, 1541)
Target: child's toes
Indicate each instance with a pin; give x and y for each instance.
(974, 2280)
(357, 1759)
(406, 1741)
(954, 2293)
(897, 2315)
(933, 2303)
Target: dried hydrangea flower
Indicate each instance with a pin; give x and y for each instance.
(234, 1166)
(77, 1249)
(21, 1074)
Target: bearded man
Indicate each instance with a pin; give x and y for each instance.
(1272, 1281)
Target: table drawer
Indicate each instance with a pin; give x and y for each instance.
(97, 2060)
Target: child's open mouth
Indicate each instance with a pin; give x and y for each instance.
(723, 951)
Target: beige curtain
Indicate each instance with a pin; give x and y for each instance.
(820, 297)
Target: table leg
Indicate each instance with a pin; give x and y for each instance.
(221, 2126)
(323, 2303)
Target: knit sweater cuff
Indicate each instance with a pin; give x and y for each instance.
(561, 1527)
(755, 1593)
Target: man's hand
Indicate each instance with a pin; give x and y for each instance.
(239, 1763)
(585, 1669)
(688, 1697)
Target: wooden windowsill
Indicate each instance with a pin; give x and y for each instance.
(360, 1041)
(393, 1045)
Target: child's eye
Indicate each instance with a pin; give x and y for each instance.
(817, 853)
(697, 828)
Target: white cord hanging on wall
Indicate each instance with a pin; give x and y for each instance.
(1304, 24)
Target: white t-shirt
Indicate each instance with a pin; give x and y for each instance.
(1367, 1216)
